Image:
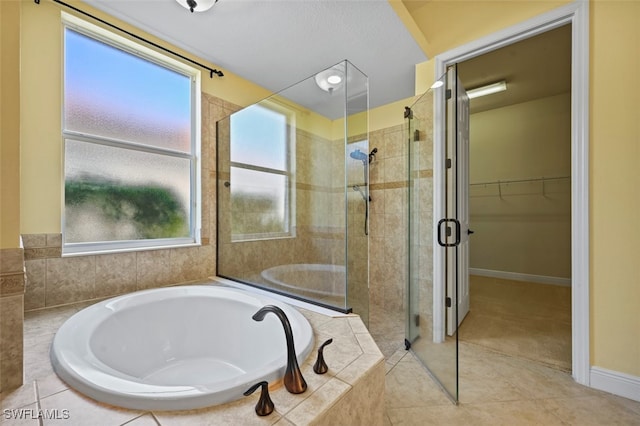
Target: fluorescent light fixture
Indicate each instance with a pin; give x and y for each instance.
(489, 89)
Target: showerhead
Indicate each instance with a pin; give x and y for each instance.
(359, 155)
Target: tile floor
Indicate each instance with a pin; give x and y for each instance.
(498, 385)
(495, 389)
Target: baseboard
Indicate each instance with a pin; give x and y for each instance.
(614, 382)
(516, 276)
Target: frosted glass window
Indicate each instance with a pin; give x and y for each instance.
(260, 173)
(258, 202)
(114, 194)
(259, 137)
(114, 94)
(130, 151)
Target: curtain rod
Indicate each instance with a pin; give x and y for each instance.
(212, 71)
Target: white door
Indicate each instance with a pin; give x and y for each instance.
(458, 205)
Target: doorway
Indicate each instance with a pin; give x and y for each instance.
(575, 14)
(519, 196)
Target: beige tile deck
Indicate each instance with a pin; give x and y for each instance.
(495, 388)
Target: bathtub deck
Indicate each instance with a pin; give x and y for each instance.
(353, 387)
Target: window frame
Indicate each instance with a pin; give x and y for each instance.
(128, 46)
(289, 174)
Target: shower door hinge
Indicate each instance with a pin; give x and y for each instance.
(447, 163)
(447, 302)
(416, 319)
(448, 94)
(407, 112)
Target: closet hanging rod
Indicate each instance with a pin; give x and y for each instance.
(212, 71)
(540, 179)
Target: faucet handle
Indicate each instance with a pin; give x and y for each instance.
(264, 407)
(320, 367)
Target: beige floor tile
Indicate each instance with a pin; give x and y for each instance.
(85, 411)
(526, 320)
(409, 385)
(144, 420)
(24, 416)
(592, 410)
(627, 403)
(37, 364)
(510, 413)
(20, 397)
(448, 414)
(50, 385)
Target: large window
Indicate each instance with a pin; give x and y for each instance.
(130, 145)
(261, 194)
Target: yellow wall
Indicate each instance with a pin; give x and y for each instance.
(525, 230)
(9, 124)
(614, 153)
(450, 23)
(40, 95)
(615, 185)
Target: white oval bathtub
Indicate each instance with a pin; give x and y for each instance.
(175, 348)
(315, 279)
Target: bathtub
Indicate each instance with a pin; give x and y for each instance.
(175, 348)
(314, 279)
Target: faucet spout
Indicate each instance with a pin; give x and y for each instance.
(293, 380)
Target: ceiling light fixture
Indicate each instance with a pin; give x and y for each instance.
(489, 89)
(331, 78)
(197, 6)
(437, 83)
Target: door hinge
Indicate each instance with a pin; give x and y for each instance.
(416, 319)
(448, 94)
(407, 112)
(447, 302)
(447, 163)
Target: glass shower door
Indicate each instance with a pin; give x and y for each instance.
(431, 301)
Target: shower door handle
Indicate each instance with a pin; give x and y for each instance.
(456, 225)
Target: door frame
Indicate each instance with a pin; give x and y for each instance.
(576, 14)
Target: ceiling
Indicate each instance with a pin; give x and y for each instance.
(276, 43)
(534, 68)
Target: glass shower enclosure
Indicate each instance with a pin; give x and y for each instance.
(293, 192)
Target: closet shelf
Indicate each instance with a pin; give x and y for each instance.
(540, 179)
(543, 180)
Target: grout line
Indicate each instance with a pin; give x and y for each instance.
(38, 406)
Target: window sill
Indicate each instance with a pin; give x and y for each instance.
(96, 249)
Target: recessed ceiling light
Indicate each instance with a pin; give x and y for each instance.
(331, 78)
